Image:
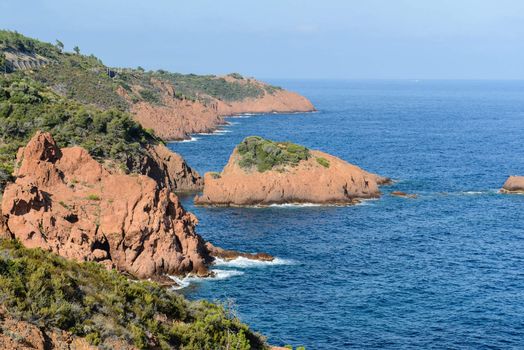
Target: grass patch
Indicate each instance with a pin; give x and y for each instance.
(93, 197)
(323, 161)
(265, 154)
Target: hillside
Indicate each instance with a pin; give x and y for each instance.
(173, 105)
(85, 174)
(82, 303)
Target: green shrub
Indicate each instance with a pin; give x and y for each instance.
(215, 175)
(323, 161)
(92, 302)
(19, 42)
(265, 155)
(150, 96)
(93, 197)
(26, 106)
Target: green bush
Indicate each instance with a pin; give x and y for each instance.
(323, 161)
(26, 106)
(82, 78)
(15, 41)
(215, 175)
(265, 155)
(89, 301)
(150, 96)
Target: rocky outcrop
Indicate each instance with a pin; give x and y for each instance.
(65, 202)
(227, 255)
(19, 60)
(318, 178)
(403, 194)
(170, 170)
(176, 119)
(280, 101)
(514, 184)
(22, 335)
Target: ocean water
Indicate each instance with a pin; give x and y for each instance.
(443, 271)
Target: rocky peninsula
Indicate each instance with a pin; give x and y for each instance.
(514, 184)
(263, 172)
(176, 119)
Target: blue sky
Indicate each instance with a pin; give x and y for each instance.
(378, 39)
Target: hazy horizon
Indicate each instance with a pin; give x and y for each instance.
(375, 40)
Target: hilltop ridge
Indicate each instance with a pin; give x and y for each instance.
(173, 105)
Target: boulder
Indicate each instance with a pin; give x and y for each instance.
(514, 184)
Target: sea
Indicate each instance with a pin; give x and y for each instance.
(442, 271)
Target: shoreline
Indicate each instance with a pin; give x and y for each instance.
(193, 137)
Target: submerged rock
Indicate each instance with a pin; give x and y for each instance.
(403, 194)
(262, 172)
(514, 184)
(64, 201)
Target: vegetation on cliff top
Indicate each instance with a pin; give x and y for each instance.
(264, 154)
(87, 80)
(90, 301)
(12, 40)
(26, 106)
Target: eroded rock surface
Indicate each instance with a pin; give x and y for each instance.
(66, 202)
(170, 170)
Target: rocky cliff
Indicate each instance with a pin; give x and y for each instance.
(514, 184)
(262, 172)
(176, 119)
(169, 169)
(65, 202)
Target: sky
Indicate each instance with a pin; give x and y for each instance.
(333, 39)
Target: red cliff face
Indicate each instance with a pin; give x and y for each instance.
(170, 170)
(176, 119)
(66, 202)
(308, 182)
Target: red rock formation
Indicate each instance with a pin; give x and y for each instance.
(22, 335)
(308, 182)
(403, 194)
(177, 119)
(170, 170)
(66, 202)
(514, 184)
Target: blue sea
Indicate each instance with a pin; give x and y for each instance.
(442, 271)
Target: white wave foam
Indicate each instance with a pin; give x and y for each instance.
(241, 116)
(192, 139)
(242, 262)
(473, 193)
(216, 132)
(218, 274)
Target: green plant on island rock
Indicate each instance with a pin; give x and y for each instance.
(323, 161)
(264, 154)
